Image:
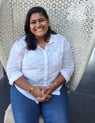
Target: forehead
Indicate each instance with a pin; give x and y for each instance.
(36, 16)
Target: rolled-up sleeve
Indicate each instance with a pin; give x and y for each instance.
(14, 64)
(68, 62)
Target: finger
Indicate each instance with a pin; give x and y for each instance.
(45, 89)
(47, 99)
(40, 99)
(43, 98)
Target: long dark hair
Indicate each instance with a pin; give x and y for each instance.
(30, 38)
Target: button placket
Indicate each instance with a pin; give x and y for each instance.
(45, 64)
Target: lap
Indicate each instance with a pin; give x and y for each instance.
(24, 110)
(57, 109)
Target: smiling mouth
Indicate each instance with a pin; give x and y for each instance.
(39, 30)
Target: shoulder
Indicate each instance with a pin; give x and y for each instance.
(59, 38)
(20, 43)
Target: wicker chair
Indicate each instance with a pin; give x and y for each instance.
(75, 19)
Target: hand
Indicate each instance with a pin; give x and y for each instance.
(37, 91)
(42, 94)
(44, 98)
(46, 91)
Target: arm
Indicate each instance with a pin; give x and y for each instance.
(49, 89)
(66, 70)
(68, 62)
(24, 84)
(14, 70)
(60, 80)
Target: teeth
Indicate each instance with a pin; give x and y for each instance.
(39, 30)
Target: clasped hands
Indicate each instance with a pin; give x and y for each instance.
(42, 93)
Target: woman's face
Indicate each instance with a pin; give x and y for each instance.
(38, 25)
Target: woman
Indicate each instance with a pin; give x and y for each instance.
(39, 65)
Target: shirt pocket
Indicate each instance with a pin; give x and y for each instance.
(56, 60)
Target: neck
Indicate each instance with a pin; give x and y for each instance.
(42, 42)
(42, 39)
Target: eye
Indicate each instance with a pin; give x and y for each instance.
(33, 22)
(41, 20)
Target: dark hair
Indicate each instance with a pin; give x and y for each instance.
(30, 38)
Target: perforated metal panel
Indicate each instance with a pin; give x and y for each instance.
(75, 19)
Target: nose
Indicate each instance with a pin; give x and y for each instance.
(38, 24)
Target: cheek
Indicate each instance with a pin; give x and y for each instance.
(31, 28)
(47, 26)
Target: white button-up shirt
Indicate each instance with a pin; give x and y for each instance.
(41, 66)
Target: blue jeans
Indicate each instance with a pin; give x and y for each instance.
(25, 110)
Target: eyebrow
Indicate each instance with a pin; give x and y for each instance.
(38, 18)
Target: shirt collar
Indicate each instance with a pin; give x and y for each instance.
(51, 40)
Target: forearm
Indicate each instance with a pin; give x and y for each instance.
(25, 85)
(46, 91)
(60, 80)
(22, 83)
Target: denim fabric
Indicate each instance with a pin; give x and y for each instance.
(57, 109)
(25, 110)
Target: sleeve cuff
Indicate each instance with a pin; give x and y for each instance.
(14, 78)
(64, 74)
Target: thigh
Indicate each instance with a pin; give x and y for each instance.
(57, 109)
(24, 110)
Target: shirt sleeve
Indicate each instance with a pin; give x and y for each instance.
(68, 62)
(14, 64)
